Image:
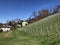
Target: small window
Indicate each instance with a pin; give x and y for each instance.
(26, 24)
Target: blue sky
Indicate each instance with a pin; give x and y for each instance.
(11, 9)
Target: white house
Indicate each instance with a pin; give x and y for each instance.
(5, 29)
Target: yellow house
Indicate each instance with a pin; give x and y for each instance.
(24, 23)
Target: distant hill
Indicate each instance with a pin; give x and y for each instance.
(43, 32)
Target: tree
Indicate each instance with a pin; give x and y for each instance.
(56, 9)
(1, 25)
(43, 13)
(13, 24)
(34, 14)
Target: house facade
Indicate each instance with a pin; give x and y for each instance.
(5, 28)
(24, 24)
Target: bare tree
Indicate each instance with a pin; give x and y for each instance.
(56, 9)
(34, 14)
(44, 13)
(1, 25)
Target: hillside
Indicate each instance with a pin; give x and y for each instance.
(43, 32)
(49, 24)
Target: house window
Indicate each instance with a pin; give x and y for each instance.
(26, 24)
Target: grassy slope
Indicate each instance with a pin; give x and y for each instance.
(43, 32)
(16, 37)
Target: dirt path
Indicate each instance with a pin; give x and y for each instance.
(8, 34)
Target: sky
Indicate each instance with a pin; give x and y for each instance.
(12, 9)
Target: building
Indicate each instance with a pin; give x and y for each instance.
(5, 28)
(24, 24)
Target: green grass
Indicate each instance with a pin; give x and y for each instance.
(17, 37)
(43, 32)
